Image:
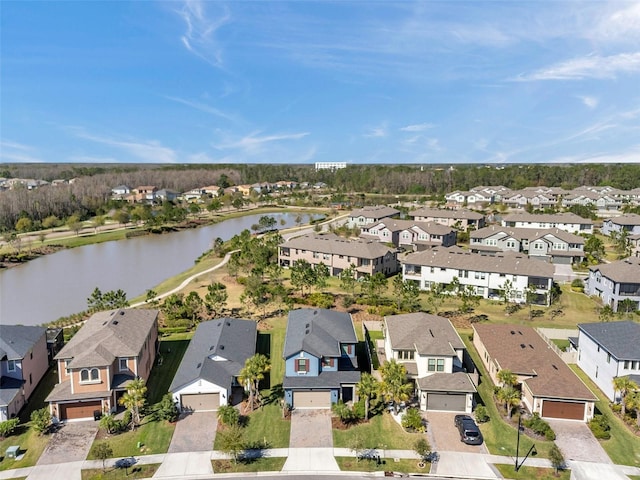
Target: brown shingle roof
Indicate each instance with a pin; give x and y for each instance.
(396, 225)
(524, 352)
(447, 382)
(338, 246)
(426, 333)
(622, 271)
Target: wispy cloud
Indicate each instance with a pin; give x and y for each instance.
(419, 127)
(592, 66)
(380, 131)
(200, 34)
(147, 151)
(589, 101)
(632, 155)
(205, 108)
(254, 141)
(14, 152)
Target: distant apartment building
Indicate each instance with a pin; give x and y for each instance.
(410, 234)
(330, 165)
(568, 222)
(369, 215)
(629, 223)
(616, 282)
(461, 219)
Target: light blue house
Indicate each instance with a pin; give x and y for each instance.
(321, 366)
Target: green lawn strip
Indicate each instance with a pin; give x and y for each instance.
(91, 238)
(534, 473)
(31, 447)
(404, 465)
(381, 431)
(623, 447)
(276, 328)
(36, 400)
(265, 426)
(265, 464)
(561, 343)
(634, 477)
(154, 436)
(172, 349)
(499, 436)
(137, 471)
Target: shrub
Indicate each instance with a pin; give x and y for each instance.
(386, 310)
(321, 300)
(600, 428)
(481, 414)
(422, 448)
(228, 415)
(616, 407)
(40, 420)
(479, 318)
(8, 427)
(577, 285)
(412, 420)
(347, 301)
(342, 410)
(167, 410)
(512, 308)
(539, 426)
(126, 419)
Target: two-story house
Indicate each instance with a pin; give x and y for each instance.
(368, 215)
(208, 373)
(410, 234)
(337, 253)
(321, 366)
(609, 350)
(23, 362)
(461, 219)
(487, 275)
(547, 384)
(616, 282)
(552, 244)
(568, 222)
(110, 350)
(433, 354)
(629, 223)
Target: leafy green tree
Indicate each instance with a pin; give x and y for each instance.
(102, 451)
(373, 286)
(606, 313)
(134, 400)
(50, 222)
(422, 448)
(97, 222)
(228, 415)
(348, 280)
(216, 298)
(507, 378)
(40, 420)
(193, 307)
(266, 223)
(231, 441)
(256, 294)
(24, 224)
(8, 427)
(627, 306)
(368, 388)
(302, 275)
(253, 372)
(214, 205)
(122, 217)
(321, 274)
(594, 247)
(172, 307)
(151, 298)
(556, 458)
(167, 409)
(110, 300)
(507, 291)
(437, 295)
(511, 398)
(395, 387)
(74, 224)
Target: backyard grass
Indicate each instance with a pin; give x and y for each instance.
(172, 349)
(561, 343)
(264, 464)
(137, 471)
(31, 447)
(533, 473)
(404, 465)
(623, 447)
(381, 431)
(499, 436)
(36, 400)
(154, 436)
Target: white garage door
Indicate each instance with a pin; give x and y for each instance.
(320, 399)
(200, 401)
(449, 403)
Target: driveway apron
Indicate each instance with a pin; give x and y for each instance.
(577, 442)
(311, 429)
(195, 432)
(69, 444)
(185, 465)
(462, 464)
(445, 436)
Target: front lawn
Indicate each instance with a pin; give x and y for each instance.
(137, 471)
(403, 465)
(263, 464)
(266, 426)
(154, 436)
(381, 431)
(623, 447)
(533, 473)
(31, 447)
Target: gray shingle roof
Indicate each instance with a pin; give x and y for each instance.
(426, 333)
(9, 388)
(377, 211)
(626, 270)
(326, 379)
(332, 244)
(108, 335)
(318, 331)
(507, 263)
(547, 218)
(17, 340)
(447, 382)
(442, 213)
(396, 225)
(230, 338)
(620, 339)
(628, 219)
(527, 233)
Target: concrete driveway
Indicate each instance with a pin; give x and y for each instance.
(195, 432)
(444, 435)
(577, 442)
(70, 444)
(311, 429)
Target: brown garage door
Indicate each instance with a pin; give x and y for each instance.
(200, 401)
(567, 410)
(72, 411)
(319, 399)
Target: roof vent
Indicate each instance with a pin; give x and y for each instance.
(554, 367)
(315, 312)
(531, 345)
(211, 347)
(307, 325)
(228, 324)
(221, 347)
(115, 322)
(431, 332)
(121, 312)
(519, 332)
(219, 324)
(306, 332)
(512, 332)
(199, 365)
(522, 345)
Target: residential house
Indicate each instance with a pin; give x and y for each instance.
(245, 190)
(94, 368)
(461, 198)
(410, 234)
(487, 275)
(616, 282)
(568, 222)
(552, 244)
(120, 191)
(368, 256)
(629, 223)
(634, 243)
(609, 350)
(23, 363)
(433, 354)
(145, 194)
(364, 216)
(548, 386)
(461, 219)
(522, 198)
(208, 373)
(167, 195)
(321, 366)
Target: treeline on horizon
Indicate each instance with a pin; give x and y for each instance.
(91, 191)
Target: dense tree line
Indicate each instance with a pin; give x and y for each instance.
(90, 192)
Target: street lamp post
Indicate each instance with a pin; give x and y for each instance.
(532, 450)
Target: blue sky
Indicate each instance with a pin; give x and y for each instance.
(301, 81)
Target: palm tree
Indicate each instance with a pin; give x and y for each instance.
(367, 387)
(395, 387)
(507, 378)
(511, 398)
(624, 385)
(250, 376)
(134, 399)
(633, 403)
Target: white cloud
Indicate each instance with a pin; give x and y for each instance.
(376, 132)
(253, 142)
(630, 156)
(14, 152)
(92, 159)
(420, 127)
(619, 26)
(204, 108)
(589, 101)
(592, 66)
(147, 151)
(200, 35)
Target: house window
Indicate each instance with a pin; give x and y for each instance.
(608, 358)
(124, 364)
(30, 379)
(405, 354)
(626, 364)
(440, 365)
(596, 372)
(431, 365)
(89, 375)
(302, 365)
(347, 349)
(328, 361)
(634, 365)
(11, 366)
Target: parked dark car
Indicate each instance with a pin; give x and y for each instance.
(469, 431)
